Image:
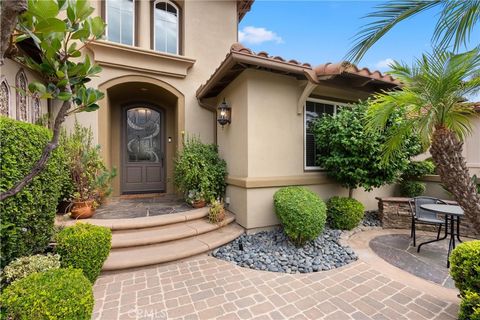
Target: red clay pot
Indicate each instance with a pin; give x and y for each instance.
(199, 204)
(82, 210)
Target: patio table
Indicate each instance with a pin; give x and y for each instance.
(452, 214)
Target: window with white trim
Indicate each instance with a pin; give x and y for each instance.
(315, 108)
(120, 18)
(166, 26)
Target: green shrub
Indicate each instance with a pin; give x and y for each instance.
(465, 266)
(344, 213)
(27, 218)
(411, 189)
(418, 169)
(84, 246)
(53, 294)
(301, 212)
(24, 266)
(199, 169)
(470, 306)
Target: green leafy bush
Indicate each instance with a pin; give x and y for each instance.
(200, 170)
(353, 155)
(465, 266)
(344, 213)
(412, 189)
(27, 218)
(53, 294)
(301, 212)
(84, 246)
(470, 306)
(418, 169)
(24, 266)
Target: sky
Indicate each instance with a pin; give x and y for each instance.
(322, 31)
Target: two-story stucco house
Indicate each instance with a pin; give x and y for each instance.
(169, 64)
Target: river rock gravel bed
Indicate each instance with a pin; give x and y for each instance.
(272, 251)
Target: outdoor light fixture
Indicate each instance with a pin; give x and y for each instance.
(224, 113)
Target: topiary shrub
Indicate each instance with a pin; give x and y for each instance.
(200, 170)
(301, 212)
(470, 306)
(84, 246)
(465, 266)
(53, 294)
(412, 189)
(344, 213)
(27, 218)
(25, 266)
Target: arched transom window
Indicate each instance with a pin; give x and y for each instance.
(4, 98)
(35, 109)
(21, 86)
(165, 30)
(120, 17)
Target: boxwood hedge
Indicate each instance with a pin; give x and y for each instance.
(54, 294)
(344, 213)
(27, 218)
(465, 266)
(301, 212)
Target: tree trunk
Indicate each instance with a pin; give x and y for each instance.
(11, 9)
(350, 193)
(446, 151)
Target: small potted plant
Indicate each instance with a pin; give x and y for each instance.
(196, 199)
(216, 213)
(103, 184)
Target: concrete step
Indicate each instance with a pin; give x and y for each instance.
(131, 257)
(138, 223)
(165, 233)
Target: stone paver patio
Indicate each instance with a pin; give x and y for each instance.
(207, 288)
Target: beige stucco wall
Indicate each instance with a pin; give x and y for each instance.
(471, 148)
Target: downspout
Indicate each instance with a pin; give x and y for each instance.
(212, 109)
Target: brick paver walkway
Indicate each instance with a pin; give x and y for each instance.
(207, 288)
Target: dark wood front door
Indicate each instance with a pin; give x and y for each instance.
(143, 150)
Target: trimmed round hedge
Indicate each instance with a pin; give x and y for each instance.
(301, 212)
(412, 189)
(53, 294)
(344, 213)
(84, 246)
(465, 266)
(470, 306)
(27, 218)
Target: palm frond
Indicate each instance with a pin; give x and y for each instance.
(385, 17)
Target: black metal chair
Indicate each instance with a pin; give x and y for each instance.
(422, 216)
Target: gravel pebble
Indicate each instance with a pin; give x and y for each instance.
(371, 219)
(272, 251)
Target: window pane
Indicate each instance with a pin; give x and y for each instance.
(166, 28)
(313, 110)
(120, 21)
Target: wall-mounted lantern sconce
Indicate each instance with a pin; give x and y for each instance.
(224, 113)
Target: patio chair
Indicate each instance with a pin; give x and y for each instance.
(422, 216)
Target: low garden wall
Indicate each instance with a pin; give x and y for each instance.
(395, 214)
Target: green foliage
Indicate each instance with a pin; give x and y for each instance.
(56, 294)
(200, 170)
(301, 212)
(418, 169)
(24, 266)
(470, 306)
(84, 246)
(353, 155)
(27, 218)
(216, 213)
(88, 173)
(465, 266)
(57, 28)
(412, 189)
(344, 213)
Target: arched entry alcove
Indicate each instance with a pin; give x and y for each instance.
(141, 120)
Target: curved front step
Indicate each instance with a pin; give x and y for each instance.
(170, 232)
(124, 258)
(139, 223)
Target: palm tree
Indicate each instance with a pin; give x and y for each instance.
(457, 20)
(435, 111)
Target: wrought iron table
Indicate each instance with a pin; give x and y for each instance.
(452, 214)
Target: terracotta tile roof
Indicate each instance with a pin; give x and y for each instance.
(243, 6)
(240, 58)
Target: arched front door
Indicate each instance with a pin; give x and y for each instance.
(143, 150)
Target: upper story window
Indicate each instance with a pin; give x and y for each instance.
(120, 17)
(166, 27)
(314, 109)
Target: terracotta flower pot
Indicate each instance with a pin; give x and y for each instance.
(221, 216)
(199, 204)
(82, 210)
